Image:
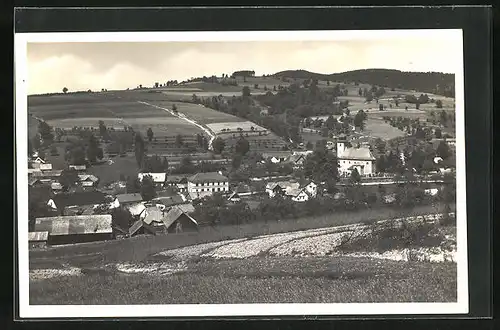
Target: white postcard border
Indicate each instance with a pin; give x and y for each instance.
(205, 310)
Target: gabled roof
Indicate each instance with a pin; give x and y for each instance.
(56, 186)
(87, 177)
(70, 225)
(157, 177)
(153, 213)
(173, 215)
(186, 208)
(234, 194)
(135, 227)
(177, 178)
(129, 198)
(78, 167)
(37, 174)
(207, 177)
(170, 200)
(45, 167)
(357, 154)
(80, 198)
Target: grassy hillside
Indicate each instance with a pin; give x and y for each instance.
(425, 82)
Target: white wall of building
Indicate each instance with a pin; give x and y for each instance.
(213, 187)
(365, 167)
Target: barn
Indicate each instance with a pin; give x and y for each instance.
(76, 229)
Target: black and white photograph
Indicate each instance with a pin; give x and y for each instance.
(241, 173)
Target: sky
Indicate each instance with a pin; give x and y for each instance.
(121, 65)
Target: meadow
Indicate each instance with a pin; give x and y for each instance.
(260, 280)
(199, 113)
(72, 110)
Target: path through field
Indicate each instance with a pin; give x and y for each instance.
(207, 130)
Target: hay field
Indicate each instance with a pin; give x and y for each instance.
(115, 109)
(233, 126)
(379, 129)
(199, 113)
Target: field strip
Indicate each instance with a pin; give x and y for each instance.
(179, 115)
(244, 248)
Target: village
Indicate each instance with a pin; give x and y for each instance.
(182, 181)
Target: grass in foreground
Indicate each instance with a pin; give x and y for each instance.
(262, 280)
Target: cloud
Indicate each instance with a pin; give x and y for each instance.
(82, 66)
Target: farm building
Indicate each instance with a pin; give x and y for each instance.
(158, 178)
(205, 184)
(76, 229)
(129, 199)
(38, 239)
(355, 158)
(79, 200)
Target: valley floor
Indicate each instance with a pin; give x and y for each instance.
(260, 280)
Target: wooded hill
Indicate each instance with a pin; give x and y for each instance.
(423, 82)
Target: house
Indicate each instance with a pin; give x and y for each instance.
(115, 188)
(298, 195)
(79, 168)
(129, 199)
(158, 178)
(88, 180)
(79, 199)
(173, 221)
(52, 174)
(186, 207)
(297, 160)
(56, 186)
(276, 156)
(205, 184)
(452, 142)
(234, 197)
(75, 229)
(38, 239)
(176, 220)
(137, 210)
(296, 191)
(45, 167)
(355, 158)
(37, 162)
(431, 191)
(153, 216)
(169, 201)
(178, 181)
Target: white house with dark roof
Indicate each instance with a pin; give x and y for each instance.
(205, 184)
(355, 158)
